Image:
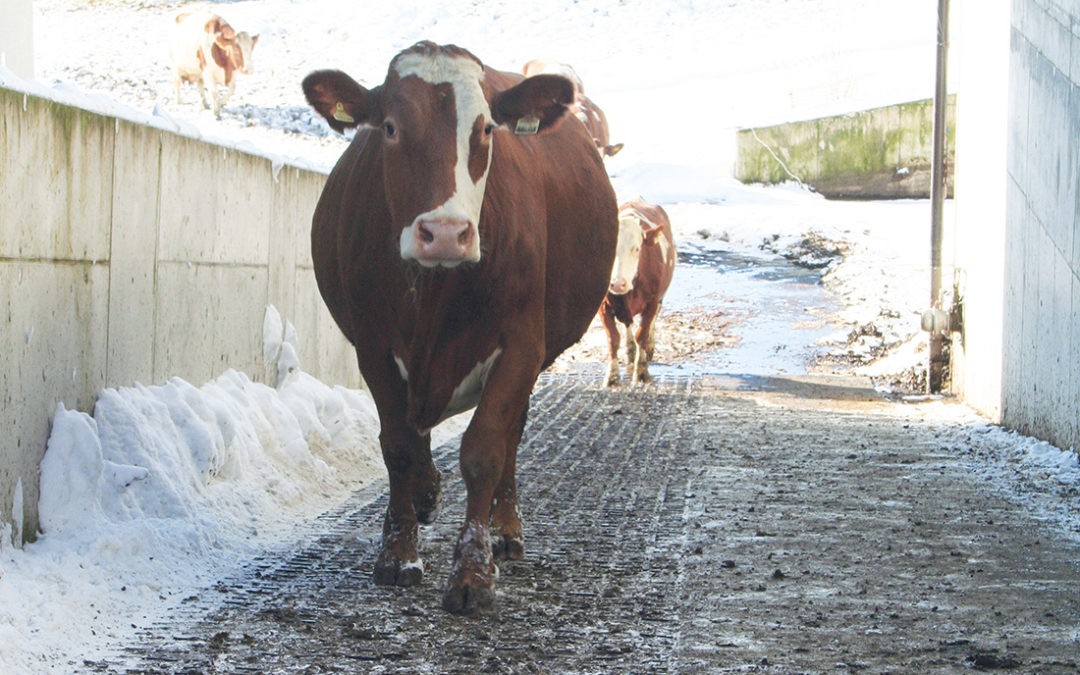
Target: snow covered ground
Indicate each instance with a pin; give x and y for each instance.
(167, 487)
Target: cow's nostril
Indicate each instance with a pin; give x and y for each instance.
(463, 238)
(425, 234)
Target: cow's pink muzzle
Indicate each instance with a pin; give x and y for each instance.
(619, 287)
(443, 241)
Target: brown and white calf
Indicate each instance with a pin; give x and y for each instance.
(207, 52)
(583, 108)
(644, 265)
(462, 242)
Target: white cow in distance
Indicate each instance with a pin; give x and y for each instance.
(207, 52)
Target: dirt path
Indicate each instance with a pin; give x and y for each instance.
(697, 525)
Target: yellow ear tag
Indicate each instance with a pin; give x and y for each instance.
(341, 116)
(527, 126)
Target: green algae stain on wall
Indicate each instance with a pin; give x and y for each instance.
(878, 153)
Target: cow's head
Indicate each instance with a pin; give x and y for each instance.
(633, 237)
(245, 45)
(230, 50)
(437, 120)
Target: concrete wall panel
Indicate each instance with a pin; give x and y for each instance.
(133, 246)
(58, 193)
(209, 319)
(215, 206)
(54, 342)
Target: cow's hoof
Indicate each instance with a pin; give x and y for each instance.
(390, 571)
(468, 600)
(507, 547)
(427, 502)
(471, 587)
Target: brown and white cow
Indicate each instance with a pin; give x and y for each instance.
(207, 52)
(583, 108)
(644, 264)
(461, 243)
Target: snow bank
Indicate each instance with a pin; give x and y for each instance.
(164, 488)
(1038, 477)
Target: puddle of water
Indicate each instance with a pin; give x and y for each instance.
(780, 311)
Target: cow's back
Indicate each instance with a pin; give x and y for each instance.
(187, 39)
(658, 263)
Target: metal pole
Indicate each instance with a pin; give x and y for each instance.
(936, 364)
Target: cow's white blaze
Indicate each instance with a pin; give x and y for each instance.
(627, 254)
(464, 75)
(246, 43)
(628, 250)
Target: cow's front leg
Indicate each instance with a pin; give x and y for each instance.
(631, 348)
(485, 448)
(644, 343)
(398, 562)
(507, 535)
(612, 330)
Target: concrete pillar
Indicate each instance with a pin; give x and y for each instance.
(17, 37)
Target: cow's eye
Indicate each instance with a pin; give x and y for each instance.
(389, 129)
(489, 129)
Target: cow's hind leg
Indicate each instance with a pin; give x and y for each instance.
(507, 536)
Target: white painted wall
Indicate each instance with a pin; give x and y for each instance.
(132, 254)
(1023, 278)
(17, 37)
(979, 60)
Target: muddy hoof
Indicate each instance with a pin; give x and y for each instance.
(468, 600)
(507, 548)
(392, 572)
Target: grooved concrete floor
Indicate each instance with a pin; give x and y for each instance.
(695, 525)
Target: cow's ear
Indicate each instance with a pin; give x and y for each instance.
(341, 100)
(534, 104)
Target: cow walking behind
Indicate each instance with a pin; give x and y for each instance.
(644, 264)
(207, 52)
(462, 242)
(583, 107)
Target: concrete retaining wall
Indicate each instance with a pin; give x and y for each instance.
(882, 153)
(1041, 379)
(131, 254)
